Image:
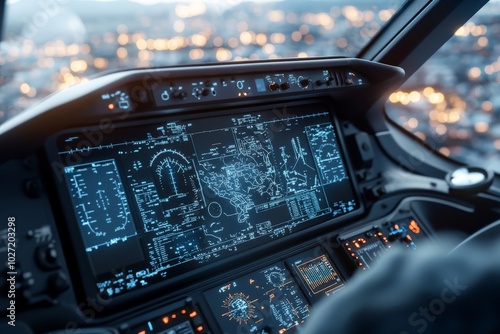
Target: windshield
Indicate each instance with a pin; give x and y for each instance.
(451, 103)
(49, 45)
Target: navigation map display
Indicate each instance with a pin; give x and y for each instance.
(154, 201)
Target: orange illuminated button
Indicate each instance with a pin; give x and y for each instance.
(414, 227)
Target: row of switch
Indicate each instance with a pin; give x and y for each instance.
(218, 89)
(274, 86)
(304, 83)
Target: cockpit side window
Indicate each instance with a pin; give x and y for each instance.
(451, 103)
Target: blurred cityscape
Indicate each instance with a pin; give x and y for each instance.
(450, 103)
(48, 46)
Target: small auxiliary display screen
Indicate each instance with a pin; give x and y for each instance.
(152, 202)
(266, 301)
(316, 273)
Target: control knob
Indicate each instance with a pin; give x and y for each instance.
(180, 95)
(304, 83)
(326, 81)
(320, 82)
(47, 257)
(273, 86)
(285, 85)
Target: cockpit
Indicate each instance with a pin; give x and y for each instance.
(228, 167)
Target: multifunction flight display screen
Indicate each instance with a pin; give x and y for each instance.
(154, 201)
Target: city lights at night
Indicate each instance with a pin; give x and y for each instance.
(450, 103)
(145, 34)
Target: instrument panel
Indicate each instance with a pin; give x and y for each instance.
(161, 199)
(224, 199)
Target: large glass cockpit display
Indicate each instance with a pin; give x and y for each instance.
(152, 202)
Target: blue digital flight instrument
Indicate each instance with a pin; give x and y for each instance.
(153, 201)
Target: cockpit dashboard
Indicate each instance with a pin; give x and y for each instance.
(210, 199)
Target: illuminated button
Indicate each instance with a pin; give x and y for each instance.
(161, 95)
(414, 227)
(141, 332)
(165, 320)
(197, 93)
(396, 233)
(165, 96)
(193, 314)
(199, 328)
